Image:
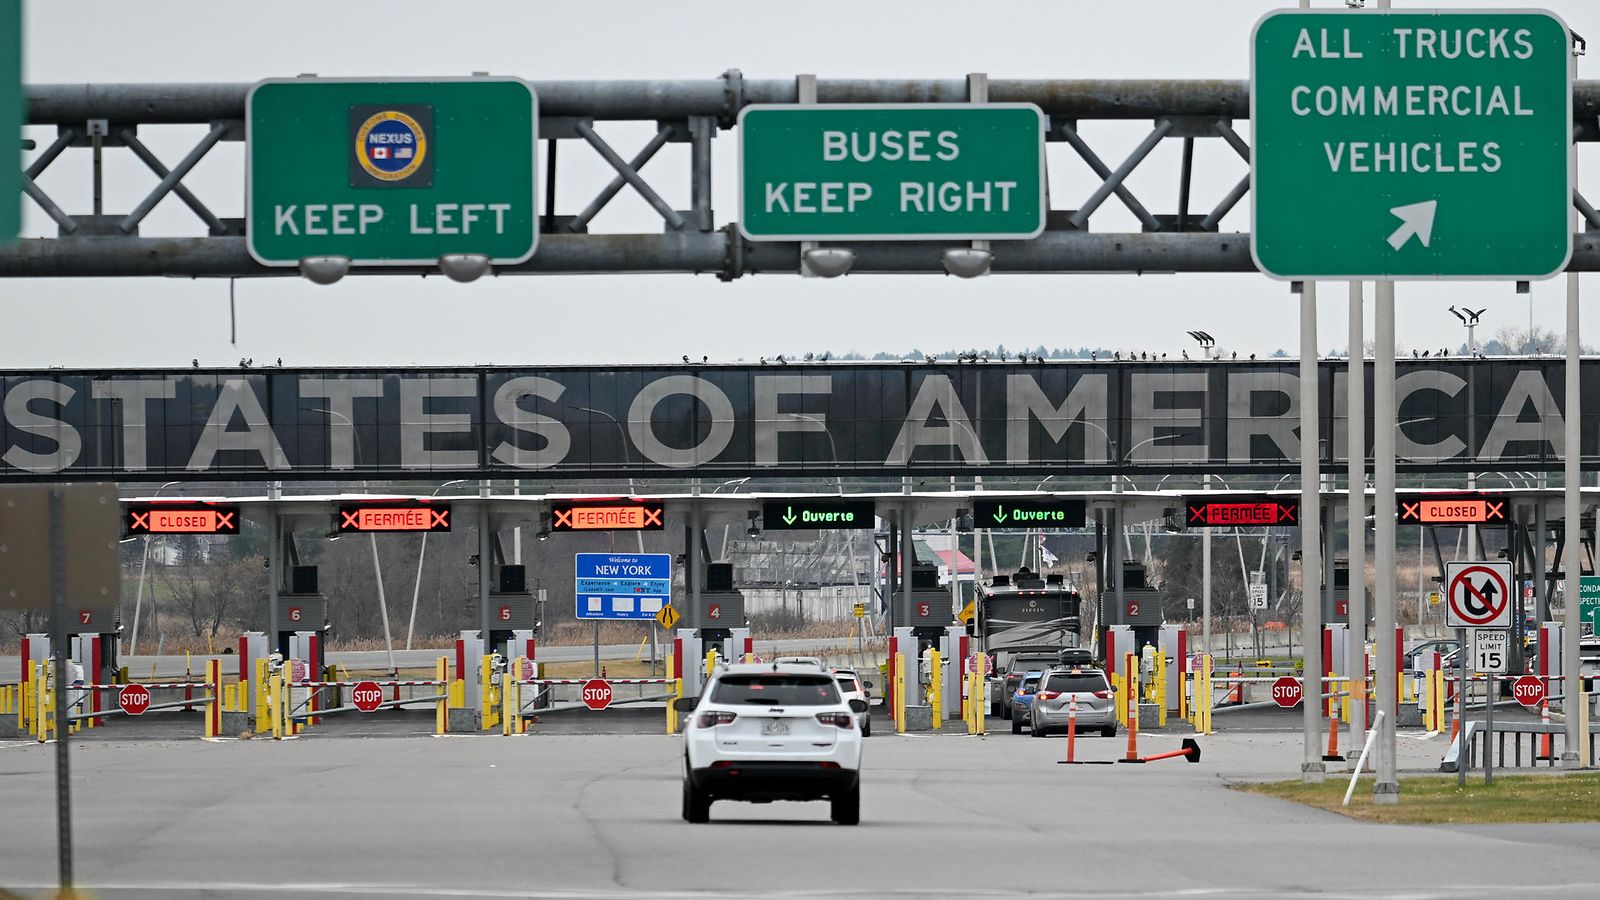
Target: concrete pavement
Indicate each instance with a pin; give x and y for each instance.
(597, 816)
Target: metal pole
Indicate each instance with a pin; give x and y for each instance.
(1488, 730)
(1386, 788)
(274, 577)
(383, 603)
(1461, 708)
(58, 642)
(1355, 655)
(416, 590)
(1205, 580)
(138, 597)
(1311, 767)
(1572, 511)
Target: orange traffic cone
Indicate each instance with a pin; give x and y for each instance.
(1546, 743)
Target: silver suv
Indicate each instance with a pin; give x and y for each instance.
(1060, 688)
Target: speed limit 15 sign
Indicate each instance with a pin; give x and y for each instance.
(1490, 649)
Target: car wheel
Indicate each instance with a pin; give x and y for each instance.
(845, 808)
(1016, 727)
(1005, 712)
(1109, 731)
(866, 728)
(696, 805)
(1037, 732)
(995, 709)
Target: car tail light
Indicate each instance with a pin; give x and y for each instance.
(1048, 695)
(827, 765)
(710, 719)
(840, 720)
(1103, 695)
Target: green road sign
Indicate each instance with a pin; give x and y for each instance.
(10, 119)
(1411, 145)
(882, 172)
(1589, 600)
(391, 172)
(795, 515)
(1025, 513)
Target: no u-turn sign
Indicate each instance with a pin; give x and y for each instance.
(1477, 594)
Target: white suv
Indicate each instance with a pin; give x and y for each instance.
(764, 732)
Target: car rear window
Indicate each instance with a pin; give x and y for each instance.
(778, 690)
(1030, 684)
(846, 683)
(1068, 683)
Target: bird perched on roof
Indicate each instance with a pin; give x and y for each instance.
(1185, 354)
(1116, 355)
(1094, 355)
(195, 362)
(1235, 354)
(1252, 356)
(686, 357)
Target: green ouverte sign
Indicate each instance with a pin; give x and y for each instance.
(391, 172)
(891, 172)
(1421, 144)
(802, 514)
(1029, 513)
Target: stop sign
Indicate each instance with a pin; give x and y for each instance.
(134, 699)
(1529, 690)
(596, 693)
(1286, 691)
(367, 696)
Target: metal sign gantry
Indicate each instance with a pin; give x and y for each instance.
(102, 118)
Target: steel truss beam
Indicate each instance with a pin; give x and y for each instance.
(691, 111)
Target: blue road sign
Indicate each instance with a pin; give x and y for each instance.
(622, 585)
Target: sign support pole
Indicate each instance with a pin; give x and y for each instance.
(1311, 769)
(1386, 788)
(1572, 512)
(1461, 708)
(60, 649)
(1355, 651)
(1488, 734)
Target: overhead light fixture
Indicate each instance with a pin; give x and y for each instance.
(967, 262)
(324, 269)
(464, 267)
(828, 262)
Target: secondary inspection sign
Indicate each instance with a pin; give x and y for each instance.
(891, 172)
(1411, 144)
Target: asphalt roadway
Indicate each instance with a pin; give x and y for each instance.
(574, 815)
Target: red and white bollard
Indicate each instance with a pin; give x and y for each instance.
(1546, 742)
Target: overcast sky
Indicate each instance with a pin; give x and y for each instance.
(630, 318)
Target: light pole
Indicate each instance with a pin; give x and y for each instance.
(416, 587)
(377, 567)
(144, 563)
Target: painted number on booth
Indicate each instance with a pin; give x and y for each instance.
(294, 613)
(85, 617)
(505, 613)
(924, 610)
(714, 611)
(1133, 608)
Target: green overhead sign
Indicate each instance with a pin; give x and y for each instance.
(1404, 144)
(1025, 513)
(885, 172)
(10, 119)
(804, 514)
(391, 172)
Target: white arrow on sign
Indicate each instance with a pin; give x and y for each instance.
(1415, 219)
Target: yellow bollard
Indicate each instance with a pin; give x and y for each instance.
(214, 708)
(263, 713)
(489, 706)
(508, 698)
(1161, 689)
(674, 692)
(41, 702)
(900, 693)
(441, 707)
(1210, 695)
(935, 689)
(711, 661)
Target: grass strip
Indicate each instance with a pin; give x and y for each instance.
(1438, 801)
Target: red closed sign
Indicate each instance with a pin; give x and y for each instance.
(134, 699)
(367, 696)
(596, 694)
